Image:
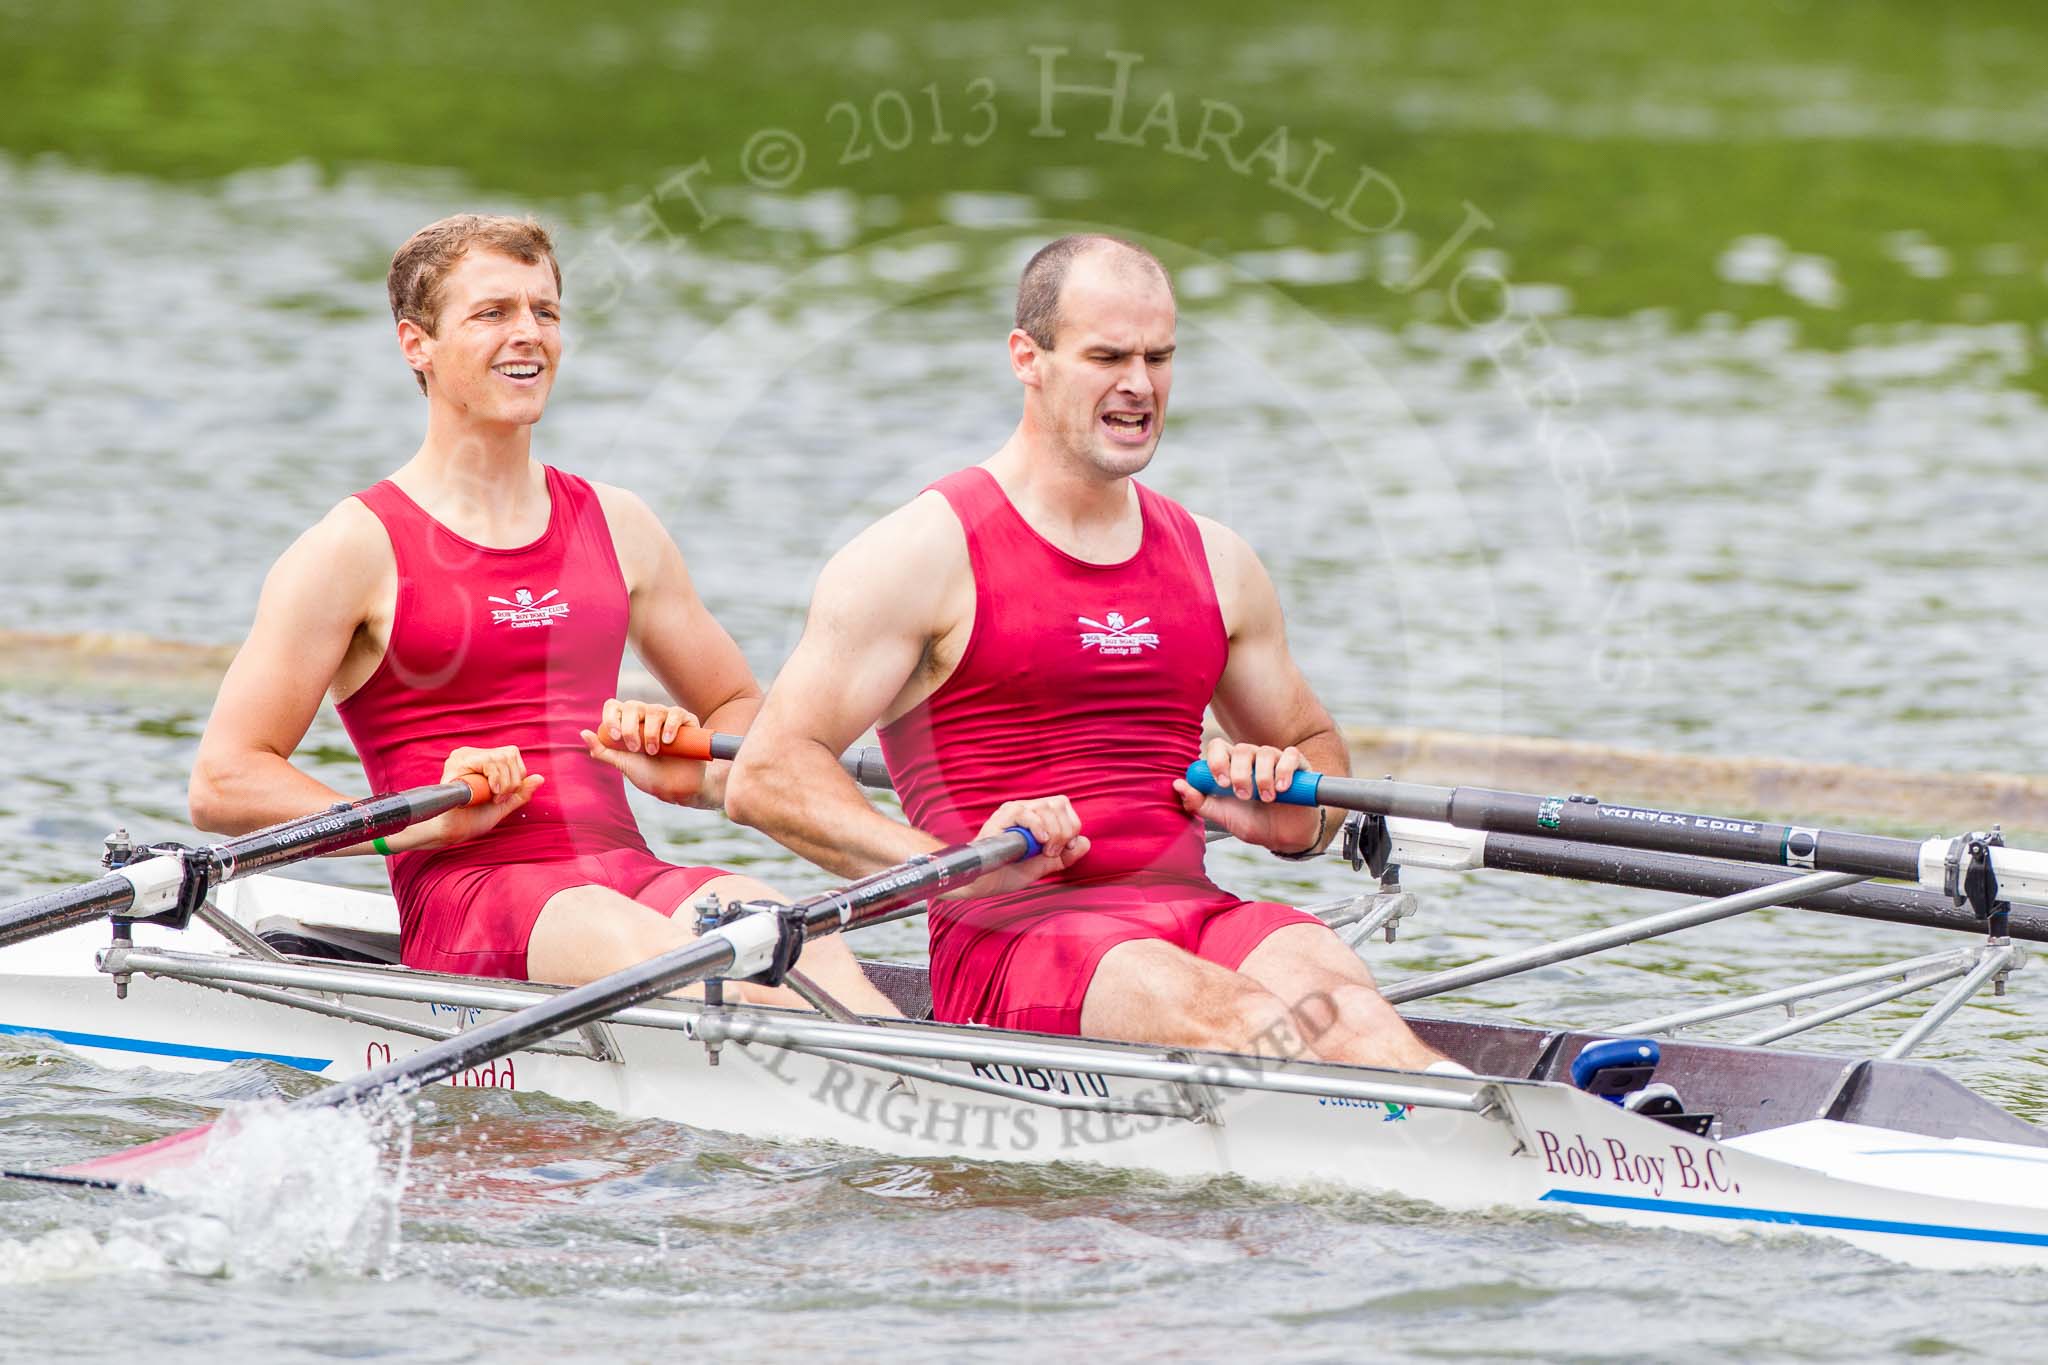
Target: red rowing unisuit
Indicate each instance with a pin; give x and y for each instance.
(491, 647)
(1088, 680)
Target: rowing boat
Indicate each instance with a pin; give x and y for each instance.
(1881, 1152)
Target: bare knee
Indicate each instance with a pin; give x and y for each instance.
(1247, 1019)
(1341, 1009)
(614, 944)
(1337, 1005)
(1347, 1022)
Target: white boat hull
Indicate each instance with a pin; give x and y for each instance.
(1541, 1145)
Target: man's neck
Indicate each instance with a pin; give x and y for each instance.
(1085, 513)
(480, 481)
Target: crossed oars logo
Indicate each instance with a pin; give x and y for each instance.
(1115, 625)
(525, 600)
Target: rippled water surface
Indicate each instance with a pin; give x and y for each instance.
(1729, 539)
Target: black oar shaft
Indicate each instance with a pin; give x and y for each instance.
(708, 956)
(1640, 827)
(56, 910)
(241, 856)
(1693, 876)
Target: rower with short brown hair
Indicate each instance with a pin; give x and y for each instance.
(468, 614)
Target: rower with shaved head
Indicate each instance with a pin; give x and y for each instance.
(469, 614)
(1039, 636)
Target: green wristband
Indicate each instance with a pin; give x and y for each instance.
(382, 847)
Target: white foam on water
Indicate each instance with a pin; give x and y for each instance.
(77, 1254)
(284, 1193)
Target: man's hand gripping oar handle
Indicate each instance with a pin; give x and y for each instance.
(175, 880)
(1300, 792)
(864, 765)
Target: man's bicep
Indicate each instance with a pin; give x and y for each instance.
(1263, 696)
(860, 648)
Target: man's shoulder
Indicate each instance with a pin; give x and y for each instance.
(632, 519)
(931, 511)
(926, 522)
(617, 500)
(910, 555)
(1213, 532)
(926, 532)
(1234, 565)
(1219, 538)
(346, 551)
(336, 565)
(638, 537)
(349, 526)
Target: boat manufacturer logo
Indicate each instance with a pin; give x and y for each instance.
(1388, 1111)
(1114, 635)
(523, 610)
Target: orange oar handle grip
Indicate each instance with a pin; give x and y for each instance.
(694, 741)
(479, 788)
(864, 765)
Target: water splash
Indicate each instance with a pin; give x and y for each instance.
(277, 1193)
(76, 1254)
(282, 1192)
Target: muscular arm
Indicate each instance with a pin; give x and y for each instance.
(316, 597)
(1263, 697)
(875, 609)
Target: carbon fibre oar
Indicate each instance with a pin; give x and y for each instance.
(1711, 878)
(178, 879)
(1975, 868)
(765, 941)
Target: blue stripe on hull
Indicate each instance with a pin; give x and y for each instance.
(1789, 1218)
(115, 1043)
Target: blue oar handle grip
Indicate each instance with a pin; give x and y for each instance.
(1032, 848)
(1300, 792)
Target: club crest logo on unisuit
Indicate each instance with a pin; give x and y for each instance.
(1113, 635)
(523, 609)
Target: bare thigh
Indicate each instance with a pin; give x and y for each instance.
(1149, 991)
(1338, 1011)
(587, 932)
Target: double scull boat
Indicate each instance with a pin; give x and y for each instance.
(1885, 1153)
